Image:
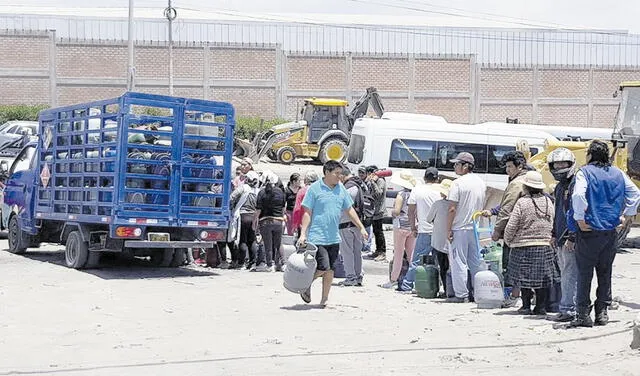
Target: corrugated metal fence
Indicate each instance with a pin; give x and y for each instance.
(500, 47)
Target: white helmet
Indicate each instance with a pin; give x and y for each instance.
(562, 155)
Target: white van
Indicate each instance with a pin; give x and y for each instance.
(410, 141)
(561, 133)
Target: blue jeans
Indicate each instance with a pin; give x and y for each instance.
(423, 248)
(568, 279)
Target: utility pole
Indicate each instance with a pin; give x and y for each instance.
(171, 14)
(131, 71)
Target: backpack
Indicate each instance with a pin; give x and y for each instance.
(364, 204)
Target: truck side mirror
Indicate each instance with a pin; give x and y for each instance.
(4, 168)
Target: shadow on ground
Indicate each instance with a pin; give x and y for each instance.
(113, 266)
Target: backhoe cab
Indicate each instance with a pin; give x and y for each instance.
(627, 125)
(322, 133)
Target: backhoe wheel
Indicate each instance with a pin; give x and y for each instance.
(333, 150)
(162, 257)
(16, 243)
(179, 257)
(286, 154)
(76, 252)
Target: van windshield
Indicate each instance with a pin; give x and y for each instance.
(356, 149)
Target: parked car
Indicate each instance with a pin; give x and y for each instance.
(19, 127)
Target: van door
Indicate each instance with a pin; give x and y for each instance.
(18, 193)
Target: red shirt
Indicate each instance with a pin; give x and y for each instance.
(298, 210)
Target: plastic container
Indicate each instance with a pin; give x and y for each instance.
(488, 292)
(427, 282)
(300, 269)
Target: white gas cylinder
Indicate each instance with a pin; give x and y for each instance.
(487, 288)
(300, 269)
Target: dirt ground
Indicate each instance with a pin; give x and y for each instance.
(126, 319)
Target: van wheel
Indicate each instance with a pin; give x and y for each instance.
(162, 257)
(286, 154)
(16, 245)
(179, 257)
(76, 252)
(333, 150)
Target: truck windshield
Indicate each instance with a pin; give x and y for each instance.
(628, 121)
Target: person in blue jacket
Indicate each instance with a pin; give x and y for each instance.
(603, 198)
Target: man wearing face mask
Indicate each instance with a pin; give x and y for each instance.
(562, 166)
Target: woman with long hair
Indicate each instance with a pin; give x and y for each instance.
(268, 219)
(290, 193)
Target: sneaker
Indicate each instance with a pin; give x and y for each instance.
(306, 295)
(224, 265)
(371, 256)
(262, 268)
(389, 285)
(455, 299)
(381, 257)
(602, 318)
(360, 282)
(525, 311)
(539, 312)
(249, 265)
(581, 321)
(348, 283)
(562, 317)
(510, 302)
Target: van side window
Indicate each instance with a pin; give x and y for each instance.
(449, 150)
(23, 160)
(495, 157)
(356, 149)
(412, 153)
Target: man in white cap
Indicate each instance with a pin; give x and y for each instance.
(466, 196)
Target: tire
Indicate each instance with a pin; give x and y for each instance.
(286, 154)
(76, 251)
(162, 257)
(179, 257)
(333, 149)
(16, 241)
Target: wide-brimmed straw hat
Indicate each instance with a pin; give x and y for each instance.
(533, 179)
(404, 179)
(444, 186)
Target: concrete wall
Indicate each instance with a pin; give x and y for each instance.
(38, 68)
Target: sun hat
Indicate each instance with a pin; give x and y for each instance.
(443, 187)
(404, 179)
(533, 179)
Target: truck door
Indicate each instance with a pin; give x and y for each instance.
(324, 118)
(20, 187)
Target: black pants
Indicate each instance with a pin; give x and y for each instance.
(443, 265)
(506, 251)
(272, 237)
(381, 244)
(594, 249)
(248, 244)
(541, 298)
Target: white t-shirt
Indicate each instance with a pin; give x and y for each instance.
(423, 196)
(469, 192)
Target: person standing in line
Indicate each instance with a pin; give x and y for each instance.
(515, 166)
(404, 240)
(601, 196)
(532, 264)
(466, 196)
(378, 187)
(438, 216)
(562, 166)
(420, 201)
(291, 191)
(362, 174)
(310, 177)
(351, 245)
(245, 166)
(243, 200)
(268, 220)
(324, 204)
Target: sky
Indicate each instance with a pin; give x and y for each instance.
(591, 14)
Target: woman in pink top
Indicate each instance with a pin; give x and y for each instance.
(310, 177)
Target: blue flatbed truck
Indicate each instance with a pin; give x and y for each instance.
(146, 175)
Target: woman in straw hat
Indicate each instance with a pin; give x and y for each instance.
(528, 234)
(403, 238)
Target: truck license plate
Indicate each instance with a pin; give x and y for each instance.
(158, 237)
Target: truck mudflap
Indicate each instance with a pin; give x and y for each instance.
(170, 244)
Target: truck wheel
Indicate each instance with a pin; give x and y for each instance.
(162, 257)
(286, 154)
(179, 257)
(333, 150)
(16, 245)
(76, 252)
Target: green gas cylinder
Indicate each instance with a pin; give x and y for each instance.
(427, 282)
(492, 255)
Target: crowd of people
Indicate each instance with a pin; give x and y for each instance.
(551, 242)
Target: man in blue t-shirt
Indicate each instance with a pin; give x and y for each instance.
(323, 204)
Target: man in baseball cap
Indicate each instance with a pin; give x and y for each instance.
(464, 157)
